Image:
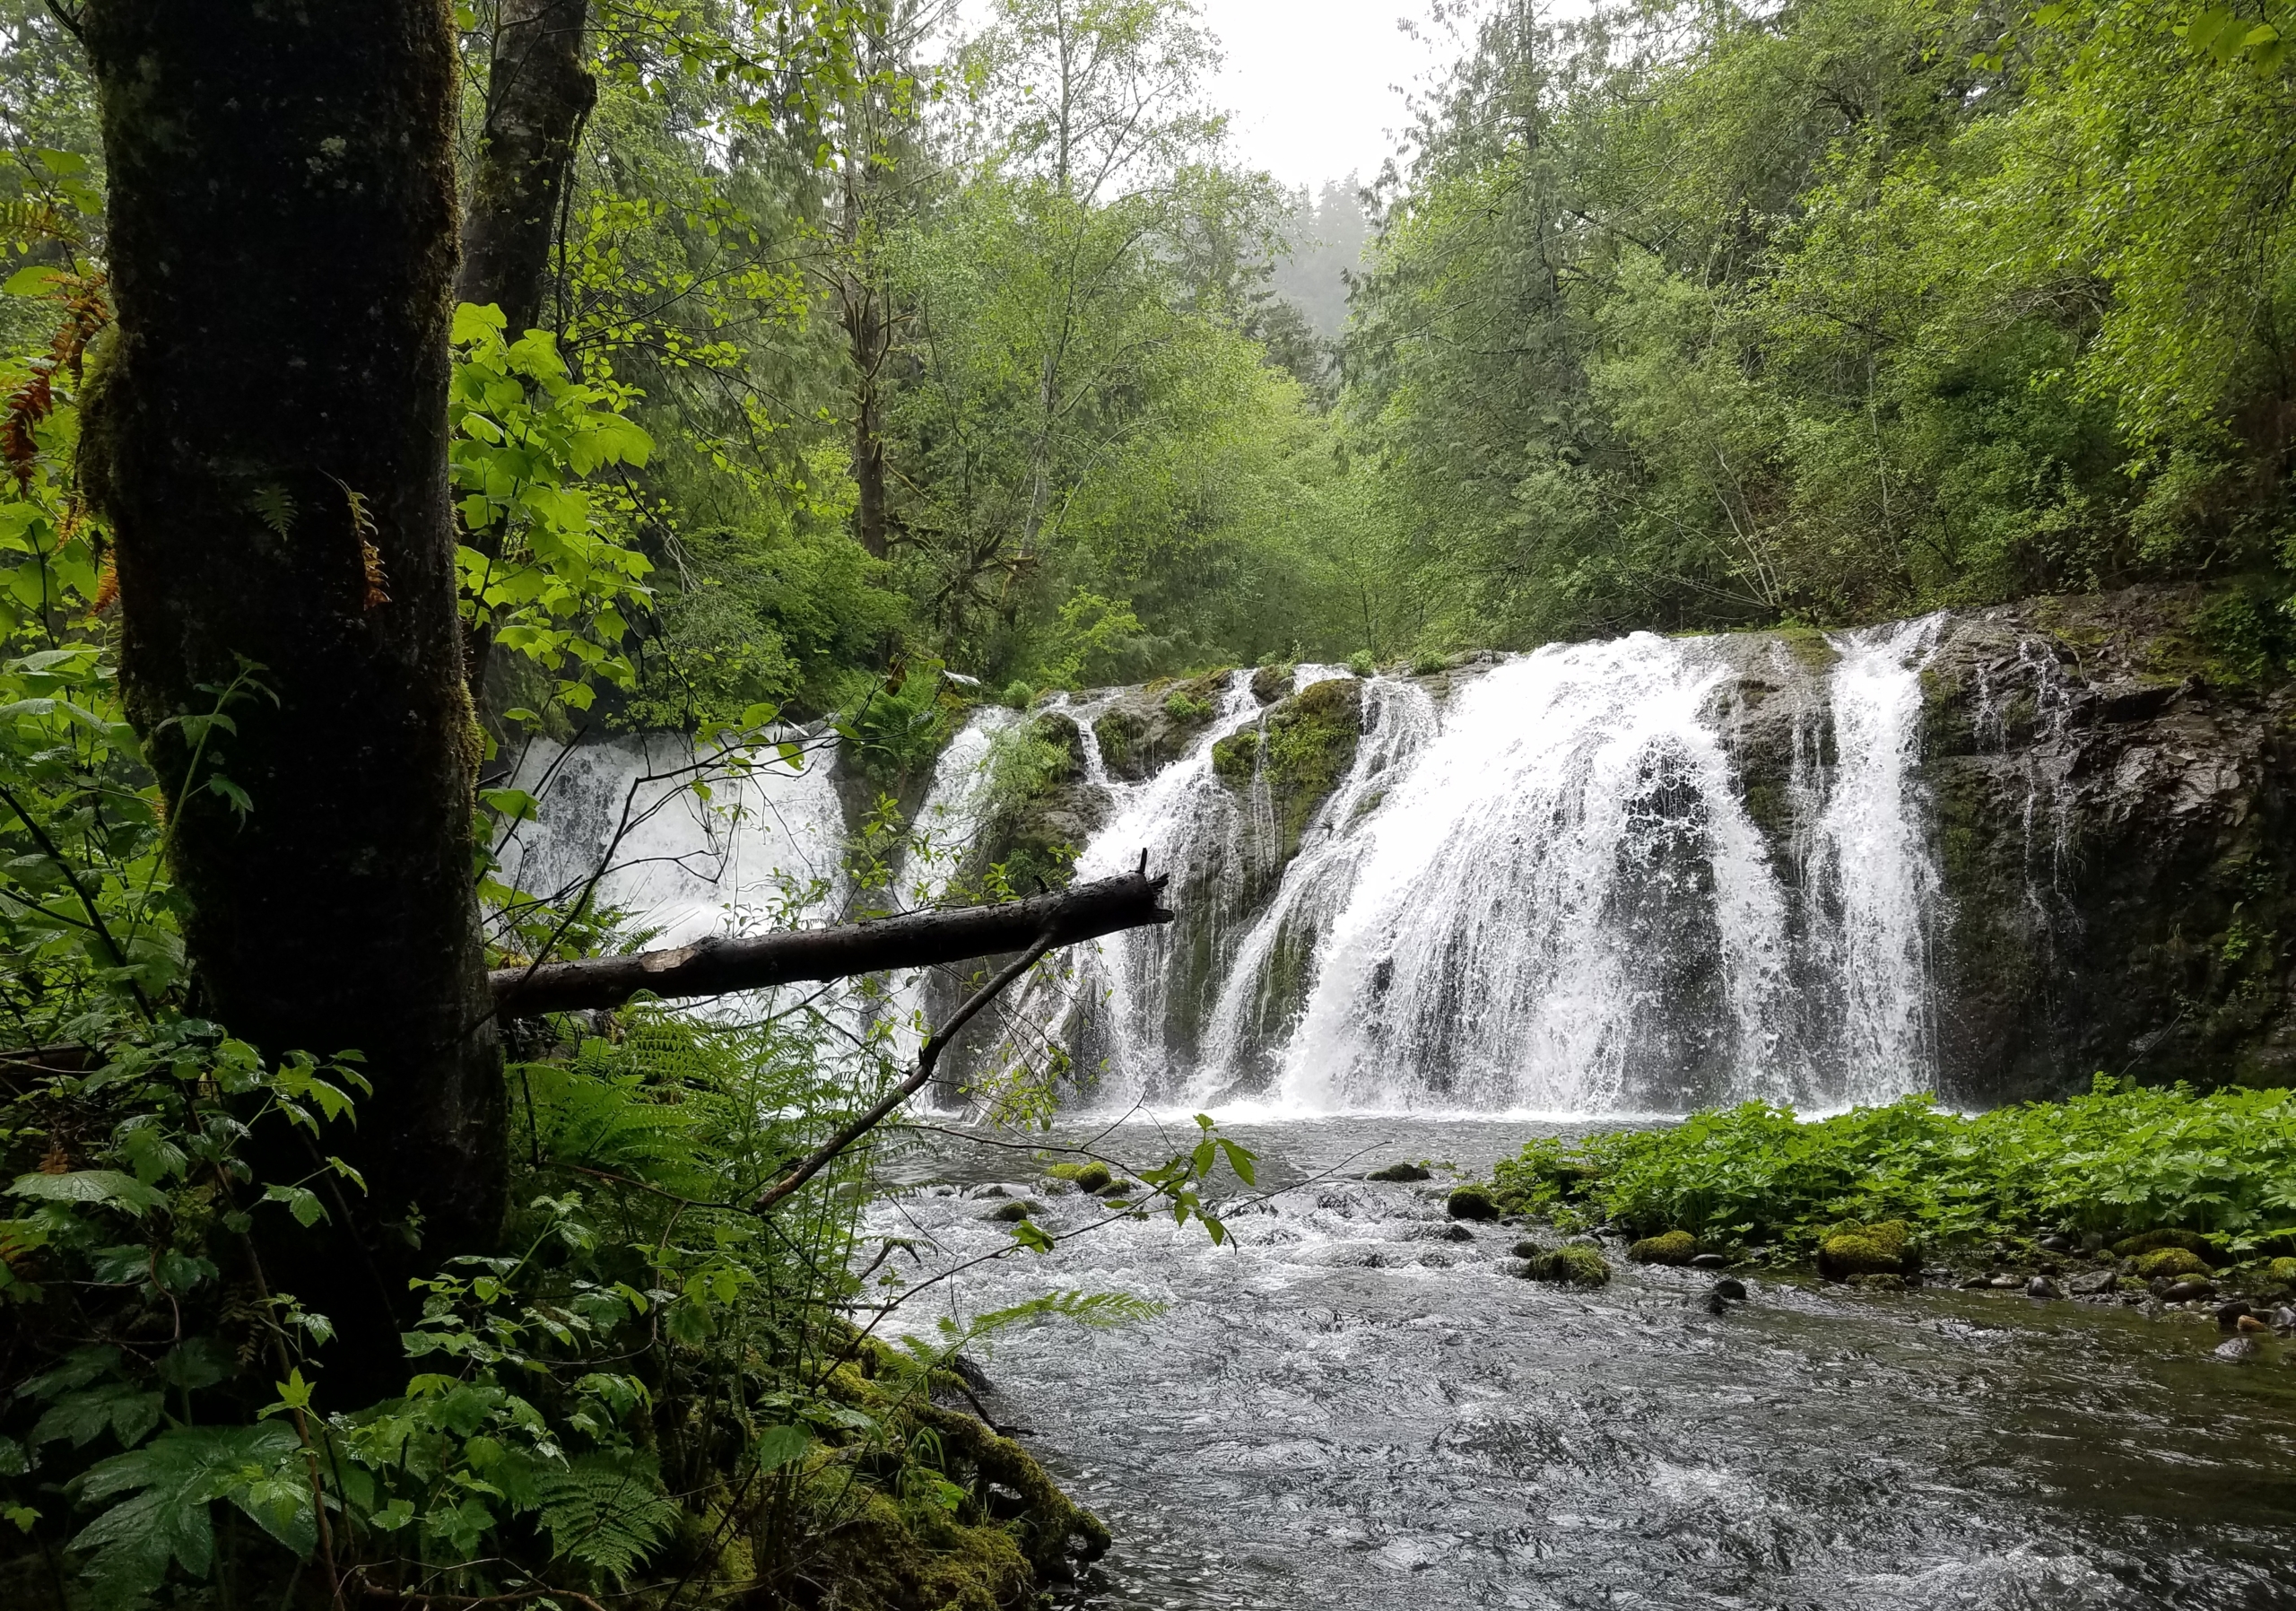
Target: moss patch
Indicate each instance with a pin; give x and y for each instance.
(1574, 1264)
(1298, 753)
(2154, 1242)
(1472, 1201)
(1883, 1249)
(1084, 1176)
(2172, 1261)
(1672, 1247)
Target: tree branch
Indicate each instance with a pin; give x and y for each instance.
(718, 966)
(930, 1055)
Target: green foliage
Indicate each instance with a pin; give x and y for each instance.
(547, 570)
(1850, 310)
(2114, 1161)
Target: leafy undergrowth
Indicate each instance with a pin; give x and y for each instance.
(2113, 1163)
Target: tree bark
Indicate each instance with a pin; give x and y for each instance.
(538, 92)
(268, 440)
(915, 940)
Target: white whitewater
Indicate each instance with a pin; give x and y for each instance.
(1546, 896)
(760, 850)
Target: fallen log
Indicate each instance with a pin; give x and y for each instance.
(720, 965)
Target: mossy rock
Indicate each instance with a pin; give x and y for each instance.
(2171, 1262)
(1882, 1249)
(1085, 1177)
(1401, 1171)
(1672, 1247)
(1472, 1201)
(2154, 1241)
(1574, 1264)
(2281, 1269)
(1300, 752)
(1012, 1213)
(1272, 682)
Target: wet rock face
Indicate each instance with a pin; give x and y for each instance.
(2110, 793)
(1145, 730)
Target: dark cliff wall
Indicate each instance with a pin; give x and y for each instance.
(2110, 782)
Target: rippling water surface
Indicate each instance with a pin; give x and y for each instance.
(1345, 1410)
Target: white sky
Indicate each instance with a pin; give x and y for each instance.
(1317, 87)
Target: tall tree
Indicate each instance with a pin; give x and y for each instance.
(269, 442)
(538, 92)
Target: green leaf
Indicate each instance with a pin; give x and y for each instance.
(778, 1445)
(90, 1186)
(172, 1480)
(37, 280)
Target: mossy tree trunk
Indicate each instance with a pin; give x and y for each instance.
(268, 440)
(539, 91)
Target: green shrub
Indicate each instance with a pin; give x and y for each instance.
(1017, 695)
(1362, 664)
(1185, 707)
(1426, 662)
(2112, 1162)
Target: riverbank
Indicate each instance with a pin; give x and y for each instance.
(2120, 1195)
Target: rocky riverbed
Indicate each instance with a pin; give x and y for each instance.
(1359, 1401)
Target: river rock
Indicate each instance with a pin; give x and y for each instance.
(1471, 1201)
(2187, 1292)
(1672, 1247)
(1731, 1288)
(2237, 1348)
(2171, 1262)
(1093, 1177)
(1401, 1171)
(2007, 1283)
(1012, 1213)
(2057, 1244)
(2093, 1283)
(2041, 1286)
(1709, 1261)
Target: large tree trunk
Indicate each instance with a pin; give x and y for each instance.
(538, 92)
(269, 442)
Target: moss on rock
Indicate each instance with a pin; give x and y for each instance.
(1084, 1176)
(2154, 1241)
(1299, 751)
(1573, 1264)
(2281, 1269)
(2170, 1262)
(1672, 1247)
(1472, 1201)
(1883, 1248)
(1401, 1171)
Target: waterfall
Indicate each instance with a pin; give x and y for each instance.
(762, 847)
(1631, 877)
(1548, 893)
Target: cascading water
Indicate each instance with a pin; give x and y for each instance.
(1549, 895)
(763, 849)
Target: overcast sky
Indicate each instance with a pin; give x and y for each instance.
(1317, 86)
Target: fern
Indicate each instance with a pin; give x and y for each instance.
(606, 1511)
(1099, 1310)
(612, 1125)
(275, 505)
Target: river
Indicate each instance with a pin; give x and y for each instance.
(1343, 1408)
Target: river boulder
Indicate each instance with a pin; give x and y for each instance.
(1573, 1264)
(1671, 1247)
(1882, 1249)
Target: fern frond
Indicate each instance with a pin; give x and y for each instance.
(274, 507)
(1099, 1310)
(613, 1125)
(606, 1511)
